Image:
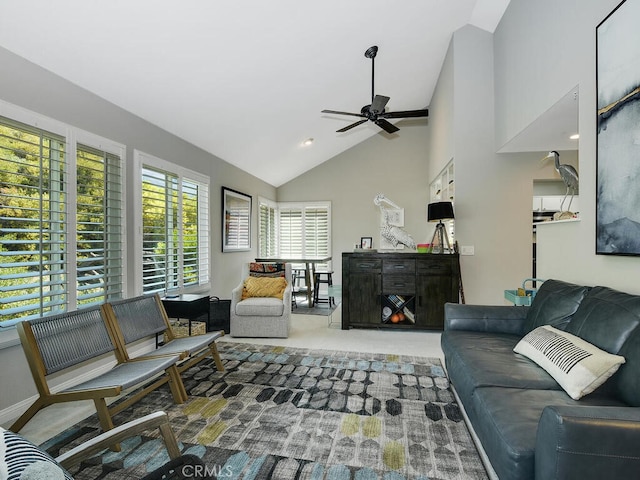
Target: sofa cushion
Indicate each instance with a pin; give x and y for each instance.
(606, 318)
(554, 304)
(476, 359)
(577, 366)
(508, 425)
(260, 307)
(626, 381)
(263, 287)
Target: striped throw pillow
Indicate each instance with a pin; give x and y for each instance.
(578, 366)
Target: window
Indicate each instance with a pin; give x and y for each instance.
(99, 226)
(60, 220)
(295, 229)
(175, 226)
(267, 238)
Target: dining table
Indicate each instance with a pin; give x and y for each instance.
(309, 269)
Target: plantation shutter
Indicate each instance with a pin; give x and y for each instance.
(99, 269)
(175, 238)
(304, 230)
(159, 224)
(267, 230)
(291, 234)
(195, 237)
(316, 232)
(33, 228)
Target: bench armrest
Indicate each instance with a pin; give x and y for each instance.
(485, 318)
(588, 443)
(114, 436)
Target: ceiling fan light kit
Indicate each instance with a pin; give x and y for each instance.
(375, 112)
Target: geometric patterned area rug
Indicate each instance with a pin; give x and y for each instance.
(289, 413)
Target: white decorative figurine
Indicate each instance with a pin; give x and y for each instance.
(391, 221)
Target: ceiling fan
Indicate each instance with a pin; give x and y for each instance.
(375, 111)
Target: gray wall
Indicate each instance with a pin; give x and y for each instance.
(542, 50)
(493, 191)
(395, 165)
(30, 87)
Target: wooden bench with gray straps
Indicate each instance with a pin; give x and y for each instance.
(61, 342)
(134, 319)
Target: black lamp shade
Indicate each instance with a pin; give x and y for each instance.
(439, 211)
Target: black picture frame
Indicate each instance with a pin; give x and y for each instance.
(618, 146)
(236, 221)
(366, 242)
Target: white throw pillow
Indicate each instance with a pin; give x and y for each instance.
(578, 366)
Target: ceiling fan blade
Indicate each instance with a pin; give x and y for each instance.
(386, 126)
(343, 113)
(378, 104)
(349, 127)
(406, 114)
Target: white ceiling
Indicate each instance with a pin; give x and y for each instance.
(246, 80)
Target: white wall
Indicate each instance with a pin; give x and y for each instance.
(493, 191)
(542, 49)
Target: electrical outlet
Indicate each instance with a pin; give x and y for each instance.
(467, 250)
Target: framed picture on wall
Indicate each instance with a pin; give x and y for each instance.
(618, 140)
(236, 221)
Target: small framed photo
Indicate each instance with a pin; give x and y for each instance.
(366, 242)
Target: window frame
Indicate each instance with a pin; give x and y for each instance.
(72, 137)
(270, 249)
(142, 159)
(291, 206)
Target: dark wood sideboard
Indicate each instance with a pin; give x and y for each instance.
(398, 290)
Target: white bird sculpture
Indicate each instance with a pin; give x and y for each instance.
(568, 174)
(392, 233)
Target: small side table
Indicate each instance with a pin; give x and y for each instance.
(189, 306)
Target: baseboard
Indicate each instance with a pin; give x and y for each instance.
(483, 455)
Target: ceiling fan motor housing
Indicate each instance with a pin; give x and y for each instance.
(370, 114)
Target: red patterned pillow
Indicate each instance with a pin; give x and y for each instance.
(266, 269)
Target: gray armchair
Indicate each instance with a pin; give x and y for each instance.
(261, 316)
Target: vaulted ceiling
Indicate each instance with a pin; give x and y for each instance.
(246, 80)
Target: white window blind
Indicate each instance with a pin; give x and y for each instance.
(291, 232)
(99, 214)
(33, 200)
(267, 235)
(61, 221)
(316, 231)
(175, 239)
(301, 229)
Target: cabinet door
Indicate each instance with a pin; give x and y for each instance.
(364, 299)
(436, 284)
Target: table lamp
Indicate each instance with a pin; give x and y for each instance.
(436, 212)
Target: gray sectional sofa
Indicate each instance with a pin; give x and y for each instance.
(527, 425)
